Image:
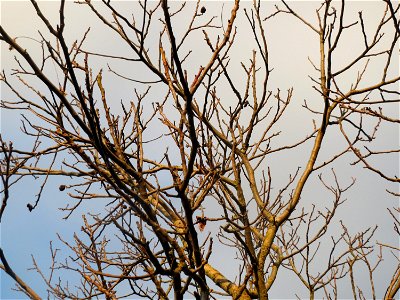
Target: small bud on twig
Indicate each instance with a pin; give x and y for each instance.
(29, 206)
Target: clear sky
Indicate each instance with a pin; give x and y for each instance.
(291, 44)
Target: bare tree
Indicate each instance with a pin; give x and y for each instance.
(216, 132)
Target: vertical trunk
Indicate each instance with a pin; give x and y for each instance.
(312, 294)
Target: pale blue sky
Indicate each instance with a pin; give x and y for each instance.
(24, 234)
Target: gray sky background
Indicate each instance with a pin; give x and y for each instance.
(290, 43)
